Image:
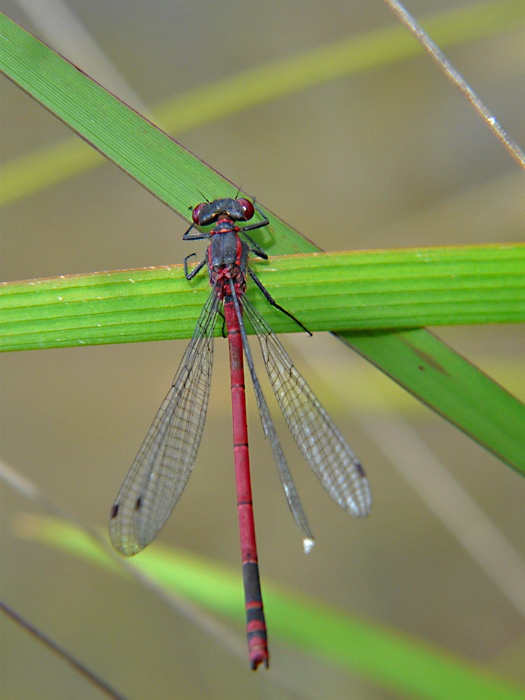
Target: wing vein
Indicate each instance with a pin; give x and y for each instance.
(164, 462)
(323, 447)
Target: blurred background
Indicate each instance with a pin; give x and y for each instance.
(386, 158)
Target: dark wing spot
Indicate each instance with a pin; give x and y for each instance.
(359, 468)
(114, 510)
(138, 503)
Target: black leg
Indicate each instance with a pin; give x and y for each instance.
(257, 250)
(195, 236)
(272, 301)
(255, 247)
(190, 275)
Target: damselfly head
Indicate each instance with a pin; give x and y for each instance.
(234, 209)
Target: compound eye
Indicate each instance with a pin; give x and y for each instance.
(247, 208)
(195, 215)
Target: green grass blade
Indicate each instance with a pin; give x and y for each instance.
(450, 385)
(386, 657)
(144, 152)
(365, 290)
(147, 154)
(250, 88)
(328, 291)
(177, 177)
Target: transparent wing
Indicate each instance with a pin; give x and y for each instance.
(271, 435)
(164, 462)
(321, 444)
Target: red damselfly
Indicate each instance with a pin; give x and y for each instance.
(165, 460)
